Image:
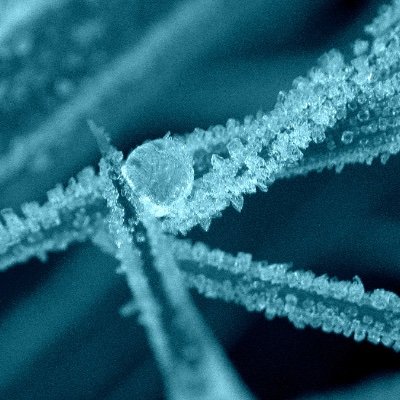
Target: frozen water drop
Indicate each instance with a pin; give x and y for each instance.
(347, 137)
(160, 173)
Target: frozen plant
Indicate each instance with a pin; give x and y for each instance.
(135, 209)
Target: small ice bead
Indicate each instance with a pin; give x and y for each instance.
(347, 137)
(160, 173)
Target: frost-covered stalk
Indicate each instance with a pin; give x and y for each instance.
(199, 368)
(341, 307)
(191, 361)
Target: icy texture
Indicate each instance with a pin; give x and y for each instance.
(70, 215)
(161, 174)
(190, 359)
(341, 307)
(327, 109)
(341, 113)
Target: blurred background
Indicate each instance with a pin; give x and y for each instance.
(140, 69)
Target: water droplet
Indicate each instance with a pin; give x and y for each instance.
(347, 137)
(363, 115)
(160, 173)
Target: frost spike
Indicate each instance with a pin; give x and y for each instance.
(237, 202)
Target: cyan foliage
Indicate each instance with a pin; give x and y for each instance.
(343, 112)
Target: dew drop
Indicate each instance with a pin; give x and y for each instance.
(363, 115)
(347, 137)
(160, 173)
